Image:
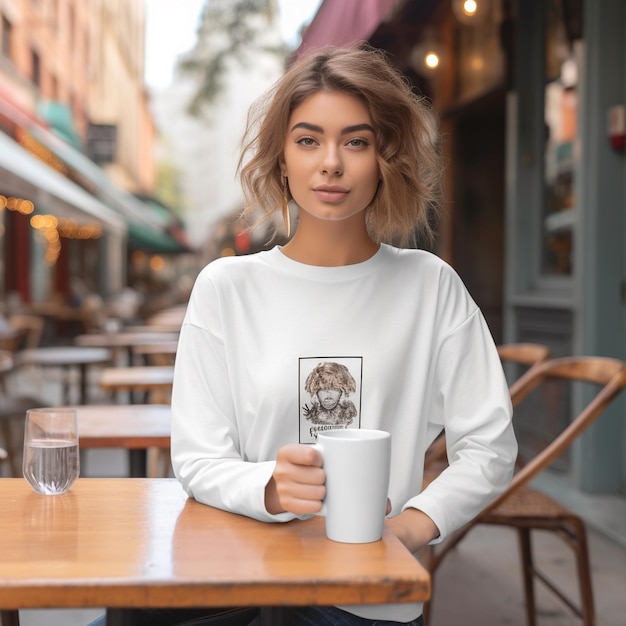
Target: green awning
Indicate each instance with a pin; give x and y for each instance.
(26, 174)
(60, 118)
(148, 240)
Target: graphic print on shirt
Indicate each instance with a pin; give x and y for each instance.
(329, 394)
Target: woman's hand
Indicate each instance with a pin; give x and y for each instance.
(297, 484)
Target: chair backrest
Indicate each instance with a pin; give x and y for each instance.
(6, 365)
(608, 373)
(31, 325)
(530, 354)
(523, 353)
(6, 361)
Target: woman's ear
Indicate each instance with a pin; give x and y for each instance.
(283, 165)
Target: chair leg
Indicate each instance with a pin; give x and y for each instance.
(584, 572)
(527, 574)
(7, 434)
(10, 618)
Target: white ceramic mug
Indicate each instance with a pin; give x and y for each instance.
(356, 462)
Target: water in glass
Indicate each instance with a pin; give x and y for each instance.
(51, 459)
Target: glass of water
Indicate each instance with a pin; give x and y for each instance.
(51, 461)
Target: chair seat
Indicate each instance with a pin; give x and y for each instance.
(526, 504)
(11, 408)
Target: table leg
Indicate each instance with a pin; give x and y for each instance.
(272, 616)
(66, 376)
(83, 384)
(10, 618)
(120, 617)
(138, 463)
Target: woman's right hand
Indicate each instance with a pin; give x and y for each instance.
(297, 484)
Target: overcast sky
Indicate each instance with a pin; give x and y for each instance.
(171, 30)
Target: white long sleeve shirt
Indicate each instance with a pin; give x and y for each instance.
(419, 355)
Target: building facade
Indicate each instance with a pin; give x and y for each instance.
(78, 144)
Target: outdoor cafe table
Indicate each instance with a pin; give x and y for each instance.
(131, 542)
(135, 427)
(159, 353)
(124, 340)
(144, 378)
(66, 357)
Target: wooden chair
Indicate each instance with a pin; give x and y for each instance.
(526, 509)
(31, 326)
(12, 339)
(527, 354)
(12, 410)
(7, 618)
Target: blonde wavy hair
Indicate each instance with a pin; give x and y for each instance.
(407, 141)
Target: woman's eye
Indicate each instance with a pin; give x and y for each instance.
(358, 143)
(306, 141)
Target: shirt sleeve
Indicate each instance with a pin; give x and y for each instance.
(205, 446)
(473, 400)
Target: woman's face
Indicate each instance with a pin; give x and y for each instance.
(330, 156)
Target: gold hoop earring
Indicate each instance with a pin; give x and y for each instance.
(286, 213)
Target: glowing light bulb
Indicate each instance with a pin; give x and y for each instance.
(431, 60)
(470, 7)
(471, 12)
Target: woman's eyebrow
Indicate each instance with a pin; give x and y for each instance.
(344, 131)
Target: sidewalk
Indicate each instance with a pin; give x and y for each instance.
(479, 583)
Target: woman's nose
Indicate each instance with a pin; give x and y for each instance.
(331, 162)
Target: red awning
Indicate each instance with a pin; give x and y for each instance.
(342, 22)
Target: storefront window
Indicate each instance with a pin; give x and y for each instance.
(561, 100)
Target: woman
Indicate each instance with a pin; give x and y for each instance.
(343, 138)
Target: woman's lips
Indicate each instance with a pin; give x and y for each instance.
(330, 194)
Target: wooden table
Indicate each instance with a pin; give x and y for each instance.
(126, 542)
(158, 353)
(122, 342)
(66, 357)
(144, 378)
(135, 427)
(171, 315)
(165, 328)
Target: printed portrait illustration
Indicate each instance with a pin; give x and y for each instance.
(330, 395)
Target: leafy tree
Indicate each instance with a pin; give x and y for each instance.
(228, 30)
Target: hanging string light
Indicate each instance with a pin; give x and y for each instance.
(427, 55)
(470, 11)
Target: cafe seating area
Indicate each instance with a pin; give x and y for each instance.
(119, 366)
(122, 393)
